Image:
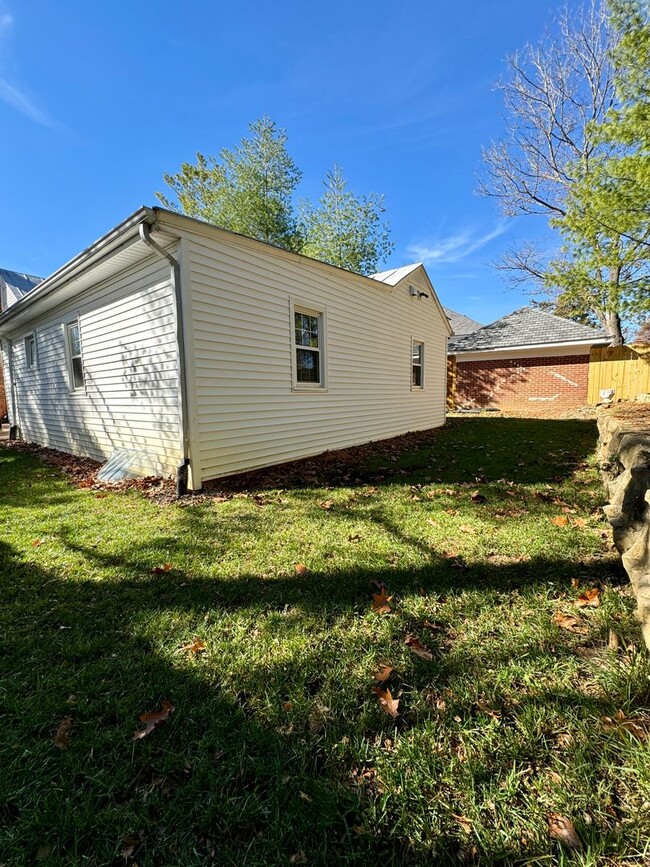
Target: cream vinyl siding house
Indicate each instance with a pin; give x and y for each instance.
(205, 349)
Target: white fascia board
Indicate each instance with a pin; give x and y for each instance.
(538, 350)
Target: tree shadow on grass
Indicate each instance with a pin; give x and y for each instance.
(529, 451)
(216, 783)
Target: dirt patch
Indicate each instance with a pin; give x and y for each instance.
(637, 413)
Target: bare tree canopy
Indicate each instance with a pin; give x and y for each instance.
(552, 162)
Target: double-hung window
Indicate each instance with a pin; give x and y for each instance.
(308, 339)
(76, 367)
(417, 364)
(31, 358)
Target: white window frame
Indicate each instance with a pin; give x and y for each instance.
(31, 338)
(297, 306)
(74, 389)
(416, 342)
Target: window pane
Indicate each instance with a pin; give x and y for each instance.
(29, 351)
(417, 353)
(73, 337)
(417, 375)
(307, 365)
(77, 373)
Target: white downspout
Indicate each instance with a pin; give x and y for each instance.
(175, 276)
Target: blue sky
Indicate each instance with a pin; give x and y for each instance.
(98, 100)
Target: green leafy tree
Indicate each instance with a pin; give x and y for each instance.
(344, 229)
(248, 189)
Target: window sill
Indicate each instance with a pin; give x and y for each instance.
(306, 389)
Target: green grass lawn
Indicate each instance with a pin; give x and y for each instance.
(278, 751)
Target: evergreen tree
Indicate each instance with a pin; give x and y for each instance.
(248, 189)
(344, 229)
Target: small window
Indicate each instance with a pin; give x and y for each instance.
(308, 342)
(31, 359)
(74, 353)
(417, 379)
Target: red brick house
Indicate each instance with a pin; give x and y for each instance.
(528, 360)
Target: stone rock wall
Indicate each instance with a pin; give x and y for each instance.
(625, 465)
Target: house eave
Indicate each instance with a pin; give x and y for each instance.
(122, 235)
(523, 347)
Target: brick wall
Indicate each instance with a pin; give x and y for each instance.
(558, 382)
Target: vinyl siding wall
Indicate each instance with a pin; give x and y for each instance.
(246, 413)
(131, 393)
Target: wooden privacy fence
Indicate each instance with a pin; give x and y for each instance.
(626, 369)
(451, 382)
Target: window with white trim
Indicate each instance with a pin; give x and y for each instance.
(308, 348)
(31, 358)
(76, 367)
(417, 364)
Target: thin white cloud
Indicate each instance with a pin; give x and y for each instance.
(10, 94)
(18, 101)
(454, 248)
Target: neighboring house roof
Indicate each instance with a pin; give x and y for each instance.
(20, 284)
(525, 327)
(460, 323)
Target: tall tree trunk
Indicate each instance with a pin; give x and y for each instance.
(612, 324)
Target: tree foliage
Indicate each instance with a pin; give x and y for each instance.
(556, 160)
(251, 188)
(248, 189)
(344, 229)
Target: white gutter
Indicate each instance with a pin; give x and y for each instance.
(105, 246)
(586, 341)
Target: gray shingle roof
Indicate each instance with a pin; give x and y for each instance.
(460, 323)
(525, 327)
(21, 284)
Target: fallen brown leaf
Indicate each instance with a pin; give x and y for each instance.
(468, 529)
(386, 700)
(306, 797)
(613, 640)
(464, 823)
(37, 543)
(589, 597)
(287, 705)
(567, 621)
(101, 496)
(383, 673)
(355, 538)
(418, 648)
(152, 720)
(298, 858)
(560, 828)
(61, 738)
(635, 726)
(160, 570)
(478, 497)
(326, 504)
(559, 520)
(196, 646)
(580, 522)
(380, 602)
(301, 570)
